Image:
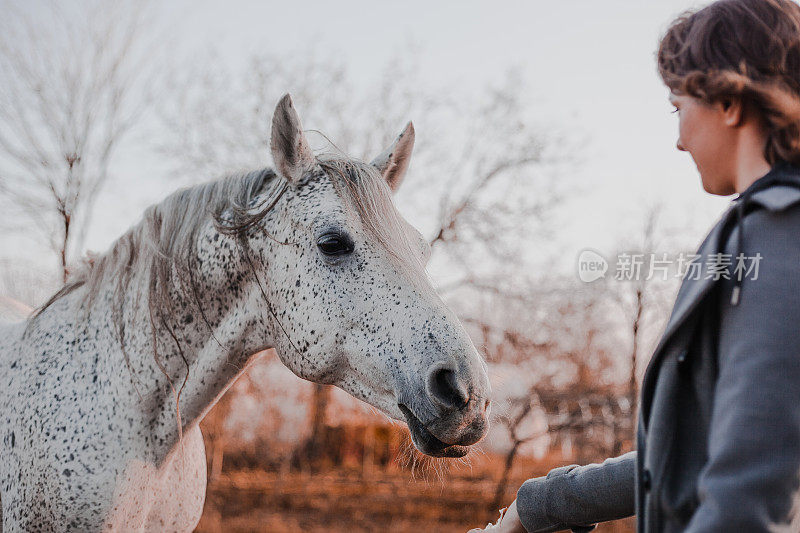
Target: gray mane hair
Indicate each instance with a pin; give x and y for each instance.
(165, 239)
(163, 244)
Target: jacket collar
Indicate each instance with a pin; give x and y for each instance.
(779, 195)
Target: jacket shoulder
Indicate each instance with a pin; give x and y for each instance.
(777, 198)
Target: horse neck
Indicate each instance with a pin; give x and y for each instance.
(215, 346)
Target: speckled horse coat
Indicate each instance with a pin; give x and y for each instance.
(102, 391)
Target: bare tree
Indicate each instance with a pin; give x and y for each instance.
(644, 285)
(512, 423)
(499, 140)
(311, 449)
(71, 90)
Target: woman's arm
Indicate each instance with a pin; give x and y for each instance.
(573, 496)
(753, 469)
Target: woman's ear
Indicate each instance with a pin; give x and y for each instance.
(733, 111)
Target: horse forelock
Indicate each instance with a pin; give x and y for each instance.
(361, 185)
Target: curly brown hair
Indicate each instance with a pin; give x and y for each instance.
(748, 49)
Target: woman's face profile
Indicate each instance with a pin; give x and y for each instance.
(704, 131)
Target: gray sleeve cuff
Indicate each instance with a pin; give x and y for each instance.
(571, 497)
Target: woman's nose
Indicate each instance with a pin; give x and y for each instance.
(679, 146)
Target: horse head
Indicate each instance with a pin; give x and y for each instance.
(348, 296)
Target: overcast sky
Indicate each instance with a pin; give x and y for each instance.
(589, 65)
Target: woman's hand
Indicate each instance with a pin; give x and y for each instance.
(508, 523)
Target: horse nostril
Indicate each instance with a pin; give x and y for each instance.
(444, 388)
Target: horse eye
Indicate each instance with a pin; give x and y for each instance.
(334, 244)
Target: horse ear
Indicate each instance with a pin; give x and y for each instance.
(393, 163)
(290, 150)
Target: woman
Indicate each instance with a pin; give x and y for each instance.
(718, 441)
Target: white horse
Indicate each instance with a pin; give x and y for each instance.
(102, 391)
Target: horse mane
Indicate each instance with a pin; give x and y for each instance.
(163, 243)
(164, 238)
